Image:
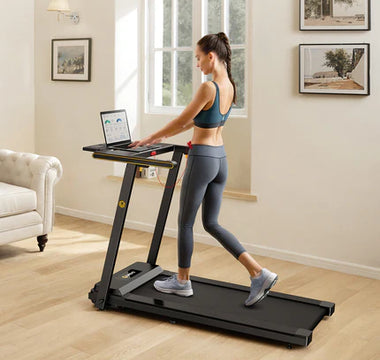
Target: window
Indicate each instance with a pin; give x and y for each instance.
(174, 27)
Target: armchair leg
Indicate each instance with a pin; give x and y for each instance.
(42, 240)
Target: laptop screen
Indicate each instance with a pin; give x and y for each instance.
(115, 126)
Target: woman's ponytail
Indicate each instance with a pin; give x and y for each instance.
(222, 36)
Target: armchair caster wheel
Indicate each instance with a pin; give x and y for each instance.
(42, 240)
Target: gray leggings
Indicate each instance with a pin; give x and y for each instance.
(203, 182)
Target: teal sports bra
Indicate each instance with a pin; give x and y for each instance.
(212, 117)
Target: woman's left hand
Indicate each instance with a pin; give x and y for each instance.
(146, 141)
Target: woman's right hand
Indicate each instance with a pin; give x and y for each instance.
(149, 140)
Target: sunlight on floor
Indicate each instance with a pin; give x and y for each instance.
(76, 242)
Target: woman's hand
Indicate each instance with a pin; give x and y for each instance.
(149, 140)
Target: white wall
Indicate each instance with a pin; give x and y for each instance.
(315, 158)
(17, 75)
(67, 113)
(127, 67)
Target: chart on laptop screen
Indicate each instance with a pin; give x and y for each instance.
(115, 127)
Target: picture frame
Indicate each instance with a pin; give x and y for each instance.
(71, 59)
(331, 15)
(341, 69)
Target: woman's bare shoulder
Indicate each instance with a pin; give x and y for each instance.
(207, 88)
(208, 85)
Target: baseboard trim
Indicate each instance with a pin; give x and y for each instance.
(310, 260)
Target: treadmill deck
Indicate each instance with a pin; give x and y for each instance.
(227, 304)
(278, 316)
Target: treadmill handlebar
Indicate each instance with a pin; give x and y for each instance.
(136, 160)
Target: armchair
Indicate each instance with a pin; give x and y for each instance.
(27, 196)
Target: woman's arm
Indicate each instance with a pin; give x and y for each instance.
(179, 130)
(184, 121)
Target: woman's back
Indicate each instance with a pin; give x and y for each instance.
(211, 119)
(226, 95)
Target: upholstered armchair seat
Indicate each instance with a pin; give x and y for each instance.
(27, 195)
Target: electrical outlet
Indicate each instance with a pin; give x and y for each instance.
(148, 172)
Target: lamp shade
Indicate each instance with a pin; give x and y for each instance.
(58, 5)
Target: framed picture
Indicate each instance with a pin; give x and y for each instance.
(334, 69)
(335, 15)
(71, 59)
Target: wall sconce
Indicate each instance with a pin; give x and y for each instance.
(62, 6)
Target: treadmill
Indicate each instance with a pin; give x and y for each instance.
(216, 304)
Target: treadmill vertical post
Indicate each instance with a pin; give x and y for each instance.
(117, 230)
(164, 208)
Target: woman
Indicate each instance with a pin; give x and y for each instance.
(206, 172)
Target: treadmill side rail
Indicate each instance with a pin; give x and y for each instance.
(329, 306)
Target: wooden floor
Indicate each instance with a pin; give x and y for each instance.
(45, 312)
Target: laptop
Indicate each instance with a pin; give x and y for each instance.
(116, 131)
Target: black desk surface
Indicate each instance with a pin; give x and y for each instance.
(101, 151)
(102, 148)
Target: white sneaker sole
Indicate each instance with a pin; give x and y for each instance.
(187, 292)
(268, 284)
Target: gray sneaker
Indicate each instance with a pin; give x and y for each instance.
(172, 286)
(260, 287)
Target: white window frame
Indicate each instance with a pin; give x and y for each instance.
(199, 30)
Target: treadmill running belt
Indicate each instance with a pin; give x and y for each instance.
(228, 304)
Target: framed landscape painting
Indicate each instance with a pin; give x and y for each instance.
(71, 59)
(334, 69)
(335, 15)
